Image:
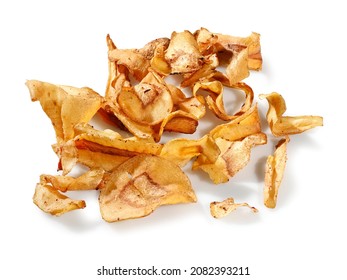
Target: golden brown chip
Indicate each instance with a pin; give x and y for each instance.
(234, 155)
(183, 54)
(111, 142)
(140, 185)
(274, 170)
(158, 61)
(217, 104)
(158, 130)
(206, 71)
(66, 106)
(225, 207)
(49, 200)
(147, 103)
(87, 181)
(139, 130)
(284, 125)
(180, 151)
(181, 124)
(253, 45)
(149, 50)
(244, 125)
(134, 61)
(99, 160)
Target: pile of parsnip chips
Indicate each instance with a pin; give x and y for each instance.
(134, 175)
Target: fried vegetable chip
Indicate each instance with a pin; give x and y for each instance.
(51, 201)
(217, 105)
(225, 207)
(244, 125)
(140, 185)
(234, 155)
(274, 170)
(134, 61)
(147, 103)
(87, 181)
(183, 54)
(66, 106)
(284, 125)
(180, 151)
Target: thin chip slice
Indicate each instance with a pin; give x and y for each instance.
(183, 54)
(147, 103)
(140, 185)
(285, 125)
(274, 170)
(51, 201)
(234, 156)
(181, 150)
(134, 61)
(244, 125)
(90, 180)
(225, 207)
(110, 142)
(217, 104)
(66, 106)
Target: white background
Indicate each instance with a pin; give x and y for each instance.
(63, 42)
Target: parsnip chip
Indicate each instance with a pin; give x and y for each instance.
(274, 170)
(134, 61)
(217, 104)
(244, 125)
(147, 103)
(234, 155)
(285, 125)
(183, 54)
(150, 49)
(51, 201)
(180, 151)
(99, 160)
(87, 181)
(158, 61)
(207, 70)
(140, 185)
(66, 106)
(225, 207)
(181, 124)
(209, 42)
(111, 143)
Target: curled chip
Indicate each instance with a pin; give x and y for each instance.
(244, 125)
(274, 170)
(281, 126)
(234, 155)
(217, 106)
(50, 200)
(239, 53)
(104, 149)
(147, 103)
(90, 180)
(180, 150)
(225, 207)
(140, 185)
(66, 106)
(183, 54)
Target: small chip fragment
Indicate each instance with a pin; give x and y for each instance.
(51, 201)
(225, 207)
